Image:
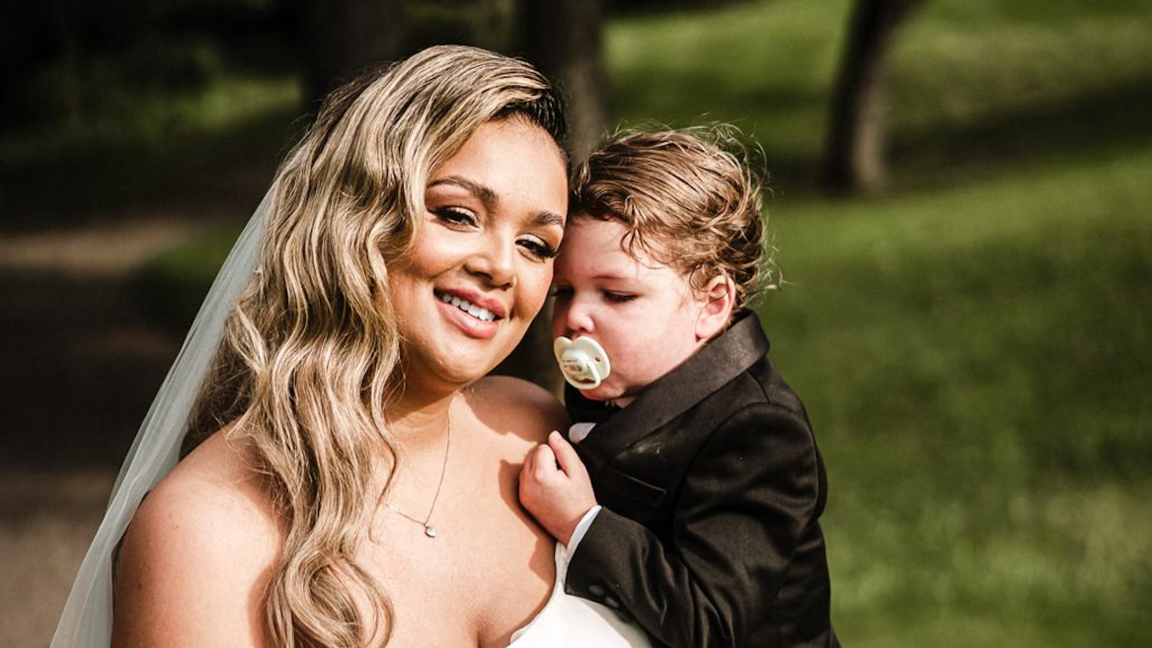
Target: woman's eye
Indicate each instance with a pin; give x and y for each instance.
(561, 292)
(538, 248)
(618, 298)
(455, 216)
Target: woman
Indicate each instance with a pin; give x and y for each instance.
(356, 481)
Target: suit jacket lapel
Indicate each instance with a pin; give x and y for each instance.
(711, 368)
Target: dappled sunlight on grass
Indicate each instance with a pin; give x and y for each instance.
(974, 96)
(764, 65)
(152, 122)
(154, 152)
(950, 71)
(975, 363)
(978, 86)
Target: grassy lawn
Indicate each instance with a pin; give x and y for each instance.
(976, 84)
(207, 150)
(975, 361)
(974, 349)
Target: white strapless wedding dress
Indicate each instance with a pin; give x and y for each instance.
(572, 622)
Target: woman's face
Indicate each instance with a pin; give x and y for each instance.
(480, 267)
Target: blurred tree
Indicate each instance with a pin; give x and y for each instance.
(44, 48)
(857, 134)
(563, 39)
(68, 61)
(662, 6)
(340, 38)
(490, 24)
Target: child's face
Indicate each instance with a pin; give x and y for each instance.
(642, 312)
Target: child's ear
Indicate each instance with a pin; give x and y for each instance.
(717, 298)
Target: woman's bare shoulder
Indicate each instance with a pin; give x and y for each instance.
(517, 407)
(198, 554)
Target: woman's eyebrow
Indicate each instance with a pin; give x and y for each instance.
(485, 194)
(547, 219)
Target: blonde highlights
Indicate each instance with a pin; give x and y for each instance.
(689, 198)
(311, 352)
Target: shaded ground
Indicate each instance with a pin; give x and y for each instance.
(78, 368)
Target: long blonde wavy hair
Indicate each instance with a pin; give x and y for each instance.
(310, 354)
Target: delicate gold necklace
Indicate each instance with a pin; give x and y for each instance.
(430, 530)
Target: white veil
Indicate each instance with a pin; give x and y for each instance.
(87, 618)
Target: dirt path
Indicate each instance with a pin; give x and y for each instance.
(78, 368)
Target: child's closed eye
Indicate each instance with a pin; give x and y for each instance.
(618, 297)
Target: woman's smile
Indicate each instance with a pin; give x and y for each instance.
(475, 320)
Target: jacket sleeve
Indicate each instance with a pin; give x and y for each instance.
(743, 506)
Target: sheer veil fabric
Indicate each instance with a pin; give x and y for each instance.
(87, 618)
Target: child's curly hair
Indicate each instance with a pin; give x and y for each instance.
(689, 199)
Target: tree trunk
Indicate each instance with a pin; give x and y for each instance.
(342, 38)
(563, 39)
(857, 130)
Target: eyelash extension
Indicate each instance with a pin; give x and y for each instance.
(541, 249)
(455, 215)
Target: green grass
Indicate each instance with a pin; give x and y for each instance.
(195, 147)
(171, 287)
(974, 349)
(975, 361)
(975, 85)
(764, 66)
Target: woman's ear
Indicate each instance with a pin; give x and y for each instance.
(717, 298)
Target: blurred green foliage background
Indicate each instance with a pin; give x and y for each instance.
(973, 347)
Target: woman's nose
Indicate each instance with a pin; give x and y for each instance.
(495, 261)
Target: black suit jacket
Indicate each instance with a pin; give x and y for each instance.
(712, 488)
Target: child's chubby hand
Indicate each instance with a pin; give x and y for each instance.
(555, 488)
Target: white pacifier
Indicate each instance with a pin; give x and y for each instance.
(583, 361)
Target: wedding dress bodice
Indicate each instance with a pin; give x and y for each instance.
(569, 621)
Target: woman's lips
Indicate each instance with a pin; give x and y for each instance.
(468, 306)
(473, 320)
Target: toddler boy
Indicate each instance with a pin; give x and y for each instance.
(691, 498)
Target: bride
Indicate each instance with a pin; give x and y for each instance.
(350, 477)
